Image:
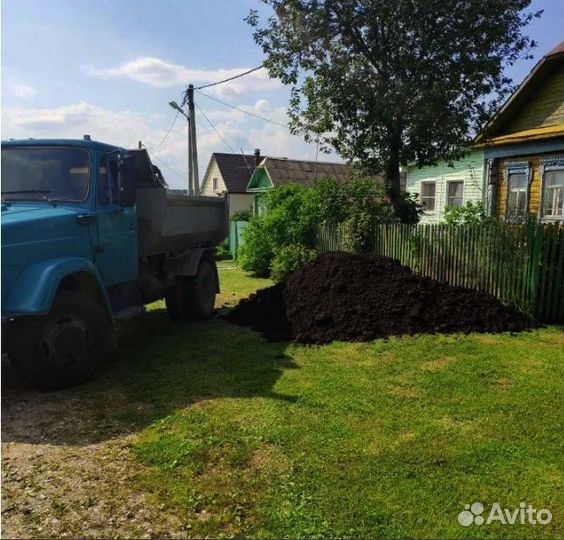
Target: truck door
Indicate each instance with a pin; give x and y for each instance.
(115, 252)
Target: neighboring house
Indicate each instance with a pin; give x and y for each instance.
(228, 175)
(443, 185)
(524, 147)
(274, 172)
(516, 166)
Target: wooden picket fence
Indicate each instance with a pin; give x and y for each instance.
(522, 265)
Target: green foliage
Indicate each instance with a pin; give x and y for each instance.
(332, 200)
(257, 250)
(223, 253)
(369, 80)
(295, 211)
(241, 215)
(291, 258)
(409, 211)
(290, 220)
(472, 213)
(358, 233)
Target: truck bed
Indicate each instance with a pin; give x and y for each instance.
(171, 223)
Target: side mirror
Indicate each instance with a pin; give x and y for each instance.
(126, 175)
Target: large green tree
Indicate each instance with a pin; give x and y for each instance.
(390, 82)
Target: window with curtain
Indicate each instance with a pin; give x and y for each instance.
(516, 196)
(553, 194)
(455, 194)
(428, 190)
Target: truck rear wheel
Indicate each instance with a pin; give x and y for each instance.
(62, 348)
(193, 298)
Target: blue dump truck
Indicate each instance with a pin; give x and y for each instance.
(90, 234)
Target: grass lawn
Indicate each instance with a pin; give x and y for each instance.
(241, 437)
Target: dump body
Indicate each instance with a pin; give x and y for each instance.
(172, 223)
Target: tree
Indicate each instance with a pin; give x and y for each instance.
(391, 82)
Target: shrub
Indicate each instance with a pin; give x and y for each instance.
(222, 253)
(241, 215)
(291, 219)
(294, 212)
(358, 233)
(256, 251)
(290, 258)
(410, 210)
(472, 213)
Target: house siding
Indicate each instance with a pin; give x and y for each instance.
(535, 186)
(469, 169)
(545, 109)
(237, 201)
(213, 172)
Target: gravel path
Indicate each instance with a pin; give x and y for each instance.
(59, 482)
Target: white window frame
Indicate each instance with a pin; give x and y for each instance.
(215, 184)
(549, 166)
(518, 168)
(421, 197)
(458, 181)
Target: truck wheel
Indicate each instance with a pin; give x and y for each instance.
(62, 348)
(194, 298)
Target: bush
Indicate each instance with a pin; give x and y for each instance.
(291, 258)
(291, 219)
(294, 212)
(410, 210)
(256, 251)
(223, 253)
(358, 233)
(472, 213)
(241, 215)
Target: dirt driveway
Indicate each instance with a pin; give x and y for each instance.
(58, 482)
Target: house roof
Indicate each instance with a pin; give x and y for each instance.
(529, 86)
(236, 170)
(284, 171)
(557, 50)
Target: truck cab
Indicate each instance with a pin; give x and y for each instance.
(85, 243)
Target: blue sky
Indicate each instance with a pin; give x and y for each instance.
(109, 68)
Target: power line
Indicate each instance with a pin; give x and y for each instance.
(167, 133)
(244, 111)
(229, 78)
(163, 162)
(214, 128)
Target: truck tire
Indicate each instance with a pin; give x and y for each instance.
(193, 298)
(63, 347)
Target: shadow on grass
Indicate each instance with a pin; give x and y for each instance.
(160, 367)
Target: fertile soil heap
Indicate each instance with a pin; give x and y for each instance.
(347, 297)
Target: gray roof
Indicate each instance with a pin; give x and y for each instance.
(236, 170)
(285, 171)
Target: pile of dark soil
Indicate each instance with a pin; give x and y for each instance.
(348, 297)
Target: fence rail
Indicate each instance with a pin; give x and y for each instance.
(522, 265)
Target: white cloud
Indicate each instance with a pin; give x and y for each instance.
(14, 88)
(21, 91)
(159, 73)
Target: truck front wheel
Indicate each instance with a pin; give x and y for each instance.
(194, 297)
(62, 348)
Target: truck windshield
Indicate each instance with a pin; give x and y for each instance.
(61, 174)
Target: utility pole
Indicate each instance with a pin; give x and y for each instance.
(178, 108)
(193, 140)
